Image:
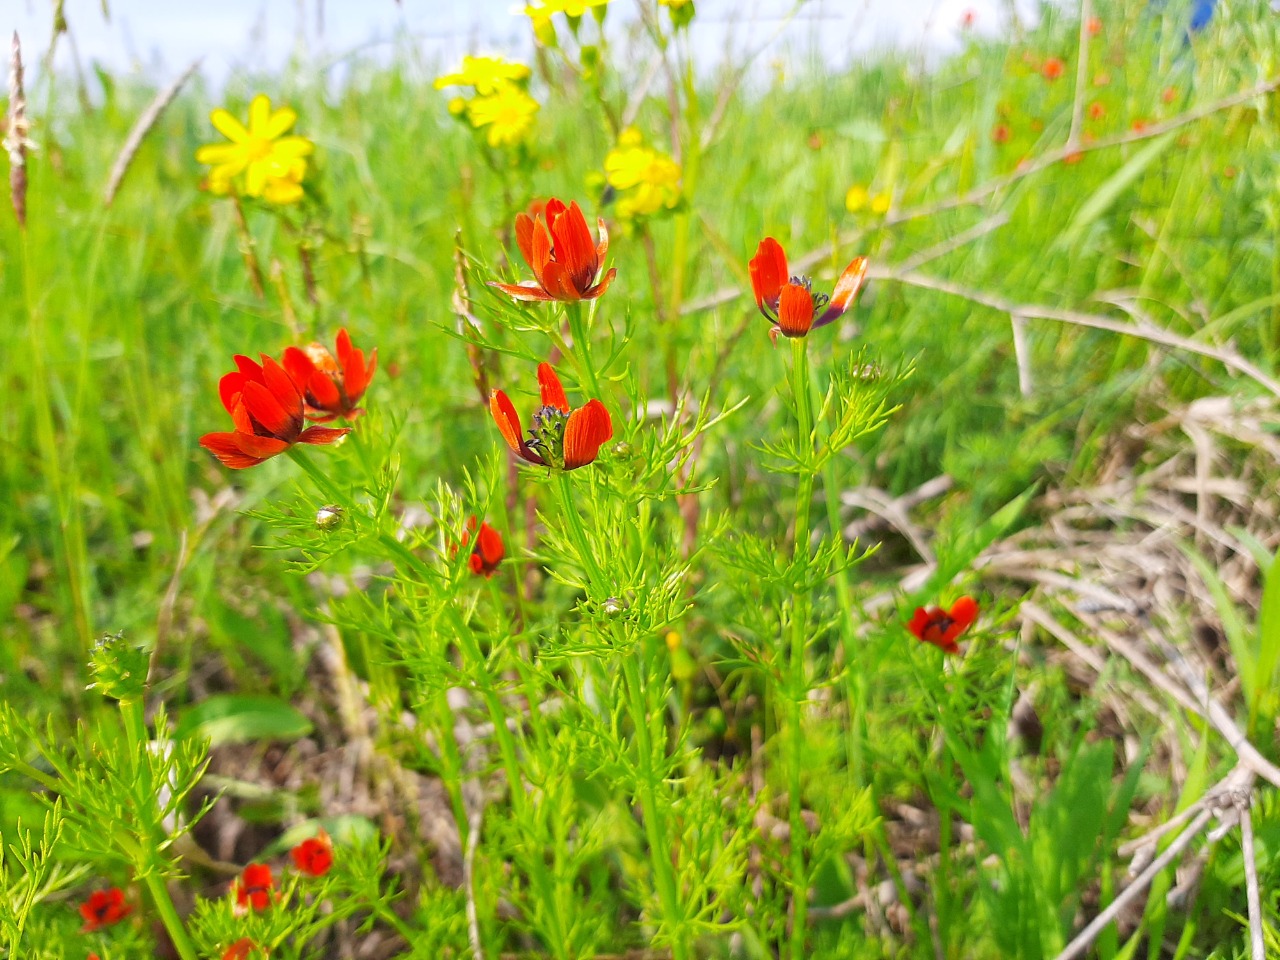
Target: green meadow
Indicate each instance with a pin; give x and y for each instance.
(668, 702)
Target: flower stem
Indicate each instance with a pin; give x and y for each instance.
(582, 344)
(798, 681)
(318, 476)
(169, 916)
(655, 826)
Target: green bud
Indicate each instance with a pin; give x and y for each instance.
(613, 607)
(329, 517)
(119, 668)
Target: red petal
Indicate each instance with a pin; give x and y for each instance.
(229, 388)
(323, 434)
(795, 310)
(524, 237)
(602, 286)
(847, 288)
(263, 448)
(602, 247)
(224, 447)
(574, 248)
(551, 390)
(528, 292)
(267, 411)
(588, 427)
(768, 273)
(277, 380)
(541, 250)
(508, 421)
(298, 365)
(324, 392)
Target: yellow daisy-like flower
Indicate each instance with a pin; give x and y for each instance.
(647, 180)
(508, 113)
(272, 165)
(485, 74)
(570, 8)
(857, 198)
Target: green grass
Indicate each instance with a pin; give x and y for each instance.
(666, 788)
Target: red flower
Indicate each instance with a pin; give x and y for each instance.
(488, 551)
(267, 411)
(1169, 95)
(253, 887)
(1093, 26)
(314, 855)
(239, 950)
(1097, 111)
(789, 301)
(941, 628)
(1000, 133)
(968, 18)
(560, 437)
(331, 388)
(1052, 68)
(558, 247)
(103, 908)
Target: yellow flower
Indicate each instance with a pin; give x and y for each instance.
(857, 198)
(881, 202)
(271, 163)
(508, 113)
(570, 8)
(648, 181)
(485, 74)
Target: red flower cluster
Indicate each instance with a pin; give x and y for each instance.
(1053, 68)
(942, 627)
(561, 437)
(103, 908)
(270, 404)
(789, 301)
(313, 856)
(558, 247)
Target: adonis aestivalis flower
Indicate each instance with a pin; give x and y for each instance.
(253, 888)
(560, 436)
(565, 260)
(239, 950)
(488, 550)
(331, 387)
(942, 627)
(790, 301)
(314, 855)
(267, 410)
(103, 908)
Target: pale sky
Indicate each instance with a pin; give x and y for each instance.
(160, 37)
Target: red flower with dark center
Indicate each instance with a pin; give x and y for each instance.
(267, 412)
(789, 301)
(564, 259)
(941, 627)
(103, 908)
(239, 950)
(561, 437)
(331, 387)
(314, 855)
(488, 551)
(1052, 68)
(253, 887)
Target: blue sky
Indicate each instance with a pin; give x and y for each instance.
(160, 37)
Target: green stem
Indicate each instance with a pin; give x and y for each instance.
(582, 344)
(169, 916)
(318, 476)
(595, 576)
(798, 681)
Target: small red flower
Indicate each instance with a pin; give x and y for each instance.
(253, 887)
(1139, 125)
(1052, 68)
(103, 908)
(1169, 95)
(789, 301)
(331, 388)
(564, 259)
(941, 628)
(267, 412)
(314, 855)
(239, 950)
(1093, 26)
(968, 18)
(1000, 133)
(1097, 111)
(488, 551)
(560, 437)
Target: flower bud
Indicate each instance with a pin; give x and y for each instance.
(329, 517)
(613, 607)
(119, 668)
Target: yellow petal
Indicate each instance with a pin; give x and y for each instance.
(259, 114)
(228, 126)
(256, 178)
(282, 191)
(280, 121)
(292, 147)
(214, 153)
